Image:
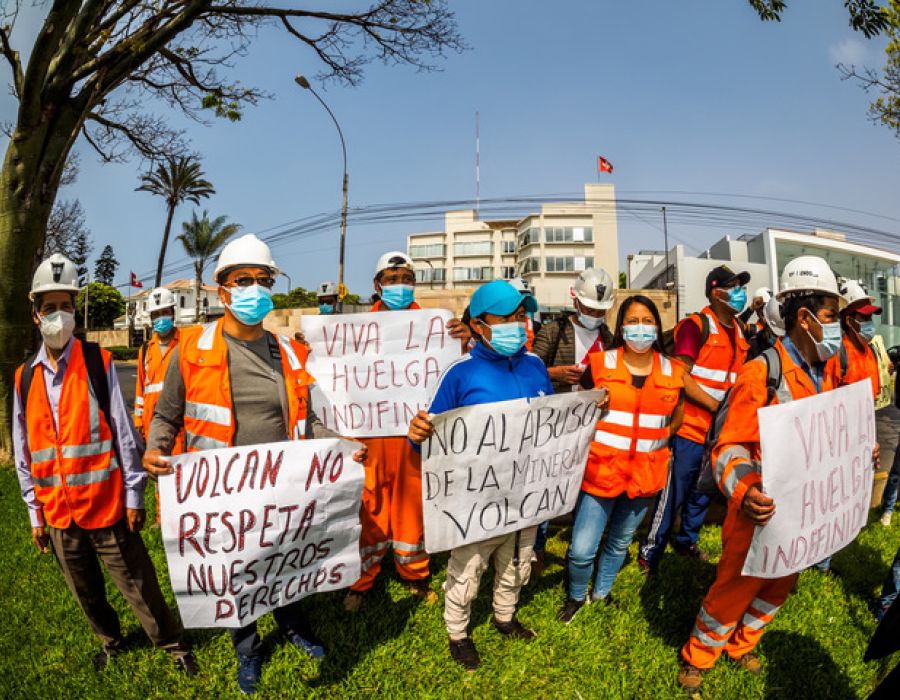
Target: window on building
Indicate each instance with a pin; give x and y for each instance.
(508, 272)
(528, 236)
(509, 247)
(473, 248)
(181, 300)
(429, 250)
(438, 274)
(532, 264)
(472, 274)
(568, 234)
(568, 263)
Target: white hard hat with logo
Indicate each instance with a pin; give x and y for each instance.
(327, 289)
(246, 251)
(772, 314)
(56, 274)
(160, 298)
(858, 298)
(394, 258)
(810, 274)
(595, 289)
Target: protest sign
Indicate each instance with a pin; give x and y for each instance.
(496, 468)
(249, 529)
(817, 467)
(375, 371)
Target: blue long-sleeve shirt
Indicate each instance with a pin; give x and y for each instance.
(485, 376)
(129, 443)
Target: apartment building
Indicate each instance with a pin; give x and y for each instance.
(548, 248)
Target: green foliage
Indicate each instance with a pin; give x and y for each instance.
(396, 647)
(886, 107)
(106, 266)
(123, 352)
(623, 280)
(299, 298)
(105, 305)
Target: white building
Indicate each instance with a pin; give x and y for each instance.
(184, 307)
(764, 256)
(548, 248)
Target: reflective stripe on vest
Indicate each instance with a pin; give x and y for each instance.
(93, 477)
(209, 412)
(153, 389)
(620, 442)
(201, 442)
(645, 420)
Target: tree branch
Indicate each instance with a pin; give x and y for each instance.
(12, 57)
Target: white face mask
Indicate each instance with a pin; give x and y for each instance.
(56, 329)
(592, 323)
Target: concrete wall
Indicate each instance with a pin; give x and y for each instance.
(108, 338)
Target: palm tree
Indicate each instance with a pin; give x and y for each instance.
(202, 239)
(177, 180)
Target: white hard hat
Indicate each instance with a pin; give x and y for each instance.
(763, 293)
(395, 258)
(520, 284)
(160, 298)
(245, 251)
(772, 314)
(327, 289)
(594, 288)
(56, 274)
(810, 274)
(859, 298)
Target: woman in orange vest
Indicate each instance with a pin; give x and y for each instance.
(629, 458)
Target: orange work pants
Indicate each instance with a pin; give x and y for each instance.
(391, 512)
(736, 608)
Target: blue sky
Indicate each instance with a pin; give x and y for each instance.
(683, 96)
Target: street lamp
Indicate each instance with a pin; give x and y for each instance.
(290, 286)
(431, 278)
(304, 83)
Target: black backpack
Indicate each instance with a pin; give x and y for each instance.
(668, 337)
(706, 480)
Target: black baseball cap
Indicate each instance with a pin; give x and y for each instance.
(723, 276)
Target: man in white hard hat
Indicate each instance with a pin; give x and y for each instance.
(391, 512)
(153, 361)
(737, 608)
(231, 383)
(78, 459)
(327, 295)
(564, 345)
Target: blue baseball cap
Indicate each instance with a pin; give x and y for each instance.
(499, 298)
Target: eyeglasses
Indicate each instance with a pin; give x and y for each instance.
(267, 282)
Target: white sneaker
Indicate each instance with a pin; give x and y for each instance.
(886, 519)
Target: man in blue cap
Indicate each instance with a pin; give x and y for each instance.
(497, 368)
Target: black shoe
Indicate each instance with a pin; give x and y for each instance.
(464, 653)
(103, 658)
(513, 629)
(569, 610)
(692, 551)
(187, 664)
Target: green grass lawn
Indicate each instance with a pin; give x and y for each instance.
(396, 647)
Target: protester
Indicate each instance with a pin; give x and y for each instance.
(78, 461)
(629, 458)
(711, 345)
(498, 368)
(391, 513)
(768, 325)
(858, 331)
(532, 326)
(270, 403)
(327, 295)
(737, 608)
(564, 345)
(153, 361)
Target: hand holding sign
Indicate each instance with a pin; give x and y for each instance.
(758, 507)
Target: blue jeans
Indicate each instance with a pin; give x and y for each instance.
(592, 514)
(893, 483)
(687, 458)
(540, 540)
(891, 584)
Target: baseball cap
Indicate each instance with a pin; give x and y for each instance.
(722, 276)
(500, 298)
(395, 258)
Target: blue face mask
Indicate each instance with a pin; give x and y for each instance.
(867, 330)
(508, 338)
(737, 298)
(398, 296)
(163, 324)
(251, 305)
(326, 308)
(639, 337)
(831, 339)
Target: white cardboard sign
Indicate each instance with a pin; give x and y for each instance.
(496, 468)
(375, 371)
(817, 467)
(249, 529)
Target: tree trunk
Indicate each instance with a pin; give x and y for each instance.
(164, 245)
(198, 282)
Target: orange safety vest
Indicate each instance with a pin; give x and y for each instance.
(152, 368)
(715, 370)
(381, 306)
(630, 452)
(860, 365)
(76, 474)
(208, 415)
(529, 331)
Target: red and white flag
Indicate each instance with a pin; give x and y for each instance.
(603, 165)
(135, 282)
